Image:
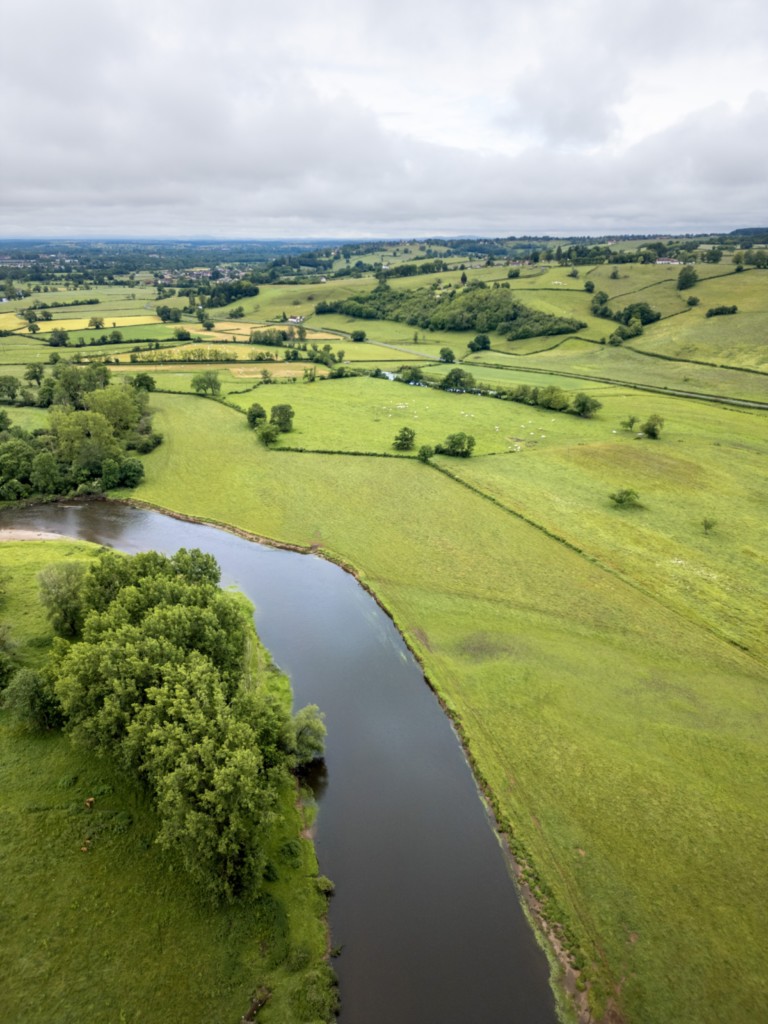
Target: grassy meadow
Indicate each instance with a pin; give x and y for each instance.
(606, 666)
(610, 716)
(114, 933)
(630, 365)
(738, 340)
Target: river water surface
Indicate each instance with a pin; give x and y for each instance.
(425, 910)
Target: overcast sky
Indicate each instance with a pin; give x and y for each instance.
(352, 118)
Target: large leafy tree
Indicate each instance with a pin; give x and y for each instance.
(282, 417)
(159, 679)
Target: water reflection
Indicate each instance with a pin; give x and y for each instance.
(425, 909)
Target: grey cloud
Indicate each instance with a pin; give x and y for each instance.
(192, 119)
(577, 106)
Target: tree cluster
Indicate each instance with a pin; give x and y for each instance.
(475, 307)
(459, 445)
(86, 446)
(158, 677)
(631, 319)
(435, 266)
(651, 428)
(280, 421)
(722, 311)
(168, 314)
(296, 346)
(480, 343)
(224, 292)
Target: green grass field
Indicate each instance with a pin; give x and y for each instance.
(113, 933)
(168, 378)
(739, 340)
(28, 417)
(150, 327)
(559, 470)
(607, 667)
(364, 414)
(618, 731)
(21, 349)
(624, 364)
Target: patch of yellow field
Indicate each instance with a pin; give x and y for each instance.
(10, 322)
(110, 322)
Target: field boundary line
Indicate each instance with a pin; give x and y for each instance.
(594, 560)
(702, 396)
(696, 362)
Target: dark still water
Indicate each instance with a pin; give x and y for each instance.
(425, 908)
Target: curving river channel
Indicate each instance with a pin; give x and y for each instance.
(425, 907)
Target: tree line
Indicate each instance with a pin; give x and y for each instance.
(550, 397)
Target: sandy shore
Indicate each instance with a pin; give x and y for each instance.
(29, 535)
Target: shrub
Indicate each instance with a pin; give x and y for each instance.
(131, 473)
(626, 498)
(585, 405)
(7, 662)
(268, 433)
(148, 442)
(652, 426)
(31, 700)
(144, 382)
(256, 415)
(404, 439)
(552, 397)
(457, 380)
(411, 374)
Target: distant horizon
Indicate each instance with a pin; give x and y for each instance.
(365, 238)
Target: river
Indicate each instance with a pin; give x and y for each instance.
(426, 911)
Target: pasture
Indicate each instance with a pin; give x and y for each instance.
(740, 340)
(141, 329)
(364, 414)
(613, 724)
(630, 364)
(605, 666)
